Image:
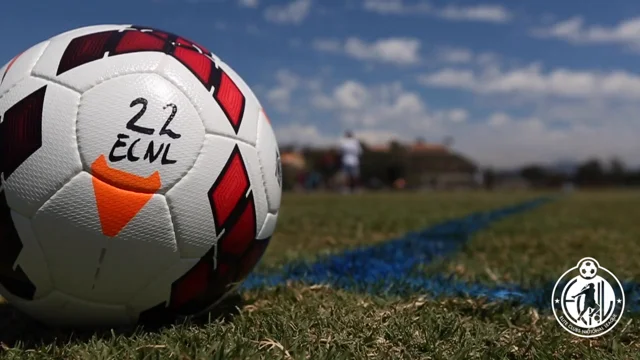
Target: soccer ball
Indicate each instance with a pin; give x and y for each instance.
(140, 178)
(588, 268)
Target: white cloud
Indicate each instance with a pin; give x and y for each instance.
(280, 96)
(485, 13)
(451, 78)
(383, 108)
(303, 134)
(454, 55)
(395, 7)
(311, 135)
(249, 3)
(479, 13)
(569, 29)
(574, 30)
(381, 112)
(457, 115)
(292, 13)
(506, 141)
(461, 55)
(395, 50)
(532, 80)
(400, 51)
(498, 119)
(351, 95)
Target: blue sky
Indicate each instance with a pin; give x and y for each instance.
(511, 82)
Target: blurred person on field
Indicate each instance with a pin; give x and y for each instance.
(351, 151)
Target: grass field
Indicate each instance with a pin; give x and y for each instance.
(303, 319)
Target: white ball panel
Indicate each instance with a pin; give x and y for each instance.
(269, 226)
(189, 200)
(31, 259)
(69, 231)
(105, 270)
(145, 248)
(268, 153)
(105, 112)
(250, 156)
(57, 160)
(61, 309)
(159, 290)
(21, 66)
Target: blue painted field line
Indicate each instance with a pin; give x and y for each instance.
(367, 266)
(391, 267)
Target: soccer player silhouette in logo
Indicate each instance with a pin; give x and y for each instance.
(589, 293)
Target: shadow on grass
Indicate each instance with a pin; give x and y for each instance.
(20, 330)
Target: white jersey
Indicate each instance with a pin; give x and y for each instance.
(351, 151)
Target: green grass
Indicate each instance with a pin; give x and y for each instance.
(315, 224)
(295, 322)
(538, 246)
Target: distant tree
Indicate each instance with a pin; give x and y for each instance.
(617, 172)
(616, 166)
(590, 173)
(632, 178)
(489, 178)
(535, 174)
(395, 147)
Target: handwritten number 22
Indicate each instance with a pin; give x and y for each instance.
(131, 124)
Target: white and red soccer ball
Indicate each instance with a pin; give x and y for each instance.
(140, 177)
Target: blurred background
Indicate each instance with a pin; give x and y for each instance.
(442, 94)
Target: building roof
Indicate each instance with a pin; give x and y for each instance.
(438, 162)
(379, 147)
(292, 158)
(421, 147)
(418, 146)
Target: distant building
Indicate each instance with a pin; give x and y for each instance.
(293, 167)
(435, 166)
(423, 165)
(292, 159)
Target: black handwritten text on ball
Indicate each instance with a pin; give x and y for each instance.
(151, 154)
